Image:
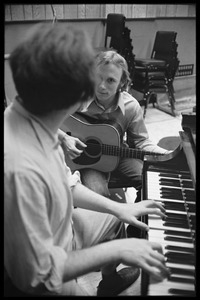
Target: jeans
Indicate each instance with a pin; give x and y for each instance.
(128, 169)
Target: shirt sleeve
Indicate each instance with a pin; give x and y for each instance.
(72, 178)
(61, 135)
(137, 134)
(32, 259)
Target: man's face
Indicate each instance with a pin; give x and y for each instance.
(108, 81)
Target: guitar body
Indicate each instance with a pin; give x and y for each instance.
(103, 142)
(95, 134)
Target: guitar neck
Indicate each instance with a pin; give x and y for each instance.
(125, 152)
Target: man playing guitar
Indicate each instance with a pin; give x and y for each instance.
(113, 103)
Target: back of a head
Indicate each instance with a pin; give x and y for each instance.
(53, 68)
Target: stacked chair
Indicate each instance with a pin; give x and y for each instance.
(156, 74)
(117, 37)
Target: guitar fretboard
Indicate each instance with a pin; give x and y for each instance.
(123, 152)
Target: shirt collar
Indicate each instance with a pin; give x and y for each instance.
(119, 104)
(47, 139)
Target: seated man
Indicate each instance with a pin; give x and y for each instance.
(113, 102)
(48, 243)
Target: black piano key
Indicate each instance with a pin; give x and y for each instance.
(185, 258)
(167, 189)
(169, 182)
(170, 203)
(185, 272)
(181, 255)
(191, 207)
(174, 224)
(169, 175)
(189, 194)
(170, 190)
(192, 220)
(173, 197)
(177, 220)
(179, 233)
(187, 184)
(174, 207)
(176, 216)
(179, 248)
(164, 189)
(190, 199)
(171, 193)
(179, 260)
(174, 204)
(175, 175)
(181, 292)
(178, 239)
(181, 279)
(185, 174)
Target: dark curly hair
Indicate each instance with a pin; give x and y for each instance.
(53, 68)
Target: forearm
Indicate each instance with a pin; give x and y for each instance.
(84, 261)
(87, 199)
(131, 252)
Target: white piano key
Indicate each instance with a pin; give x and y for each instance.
(162, 288)
(158, 224)
(158, 237)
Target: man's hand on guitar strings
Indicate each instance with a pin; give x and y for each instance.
(72, 146)
(129, 212)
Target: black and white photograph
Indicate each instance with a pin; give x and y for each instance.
(99, 150)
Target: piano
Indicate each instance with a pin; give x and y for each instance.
(171, 179)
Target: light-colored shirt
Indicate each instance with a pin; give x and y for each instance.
(38, 204)
(127, 113)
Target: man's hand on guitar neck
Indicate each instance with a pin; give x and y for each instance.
(72, 146)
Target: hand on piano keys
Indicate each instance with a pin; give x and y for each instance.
(176, 233)
(143, 254)
(129, 213)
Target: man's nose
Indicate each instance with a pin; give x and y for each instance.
(102, 84)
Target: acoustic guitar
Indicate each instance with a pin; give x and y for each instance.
(103, 141)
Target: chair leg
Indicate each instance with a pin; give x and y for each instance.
(146, 102)
(172, 111)
(171, 101)
(153, 98)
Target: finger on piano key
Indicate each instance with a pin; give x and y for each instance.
(154, 207)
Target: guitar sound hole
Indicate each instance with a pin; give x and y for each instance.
(93, 148)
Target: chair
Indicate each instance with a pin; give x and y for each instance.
(156, 75)
(115, 24)
(117, 37)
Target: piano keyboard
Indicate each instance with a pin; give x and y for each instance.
(176, 233)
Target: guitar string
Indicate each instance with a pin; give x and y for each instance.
(122, 151)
